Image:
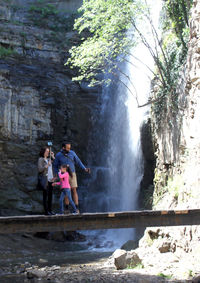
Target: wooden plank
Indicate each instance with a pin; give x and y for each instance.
(94, 221)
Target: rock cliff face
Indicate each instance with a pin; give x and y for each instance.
(38, 100)
(177, 181)
(178, 140)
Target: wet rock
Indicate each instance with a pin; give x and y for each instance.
(62, 236)
(57, 236)
(75, 236)
(130, 245)
(42, 260)
(36, 273)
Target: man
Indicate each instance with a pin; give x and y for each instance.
(68, 156)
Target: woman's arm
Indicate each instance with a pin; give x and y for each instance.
(41, 165)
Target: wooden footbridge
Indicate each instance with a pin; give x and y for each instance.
(95, 221)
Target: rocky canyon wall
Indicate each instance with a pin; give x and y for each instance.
(38, 100)
(178, 140)
(177, 173)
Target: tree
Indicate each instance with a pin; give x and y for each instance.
(109, 29)
(104, 24)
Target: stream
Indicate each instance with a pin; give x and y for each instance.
(19, 252)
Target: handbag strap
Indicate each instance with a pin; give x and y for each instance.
(65, 155)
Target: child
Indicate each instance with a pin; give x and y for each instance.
(65, 186)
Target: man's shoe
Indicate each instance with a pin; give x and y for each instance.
(48, 213)
(52, 213)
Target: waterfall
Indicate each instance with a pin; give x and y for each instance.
(116, 140)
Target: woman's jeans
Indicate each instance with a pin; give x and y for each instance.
(66, 192)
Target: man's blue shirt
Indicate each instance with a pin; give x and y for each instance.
(69, 158)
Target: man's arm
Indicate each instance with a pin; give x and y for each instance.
(78, 161)
(80, 164)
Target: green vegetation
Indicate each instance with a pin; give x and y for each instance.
(174, 185)
(15, 8)
(6, 52)
(164, 275)
(163, 184)
(103, 27)
(160, 186)
(175, 28)
(44, 11)
(147, 200)
(47, 16)
(132, 266)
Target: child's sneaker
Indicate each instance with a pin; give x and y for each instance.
(67, 211)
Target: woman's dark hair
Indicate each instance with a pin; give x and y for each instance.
(68, 169)
(42, 151)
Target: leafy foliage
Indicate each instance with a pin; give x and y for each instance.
(175, 16)
(5, 52)
(103, 27)
(110, 28)
(47, 16)
(44, 11)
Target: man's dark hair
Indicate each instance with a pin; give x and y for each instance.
(66, 142)
(42, 151)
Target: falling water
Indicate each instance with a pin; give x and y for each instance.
(116, 142)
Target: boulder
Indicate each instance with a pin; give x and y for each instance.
(120, 258)
(132, 259)
(130, 245)
(36, 273)
(164, 246)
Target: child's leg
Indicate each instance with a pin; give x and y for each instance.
(68, 191)
(62, 196)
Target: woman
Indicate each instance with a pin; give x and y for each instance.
(45, 176)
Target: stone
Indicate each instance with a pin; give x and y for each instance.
(196, 279)
(130, 245)
(164, 247)
(36, 273)
(132, 259)
(120, 258)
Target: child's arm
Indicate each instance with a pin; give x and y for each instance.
(56, 184)
(64, 175)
